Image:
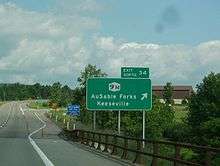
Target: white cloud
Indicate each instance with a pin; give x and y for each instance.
(180, 64)
(105, 43)
(48, 47)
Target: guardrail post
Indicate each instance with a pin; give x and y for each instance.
(208, 158)
(114, 150)
(106, 144)
(68, 125)
(75, 135)
(125, 151)
(87, 138)
(155, 152)
(82, 137)
(177, 154)
(93, 140)
(99, 142)
(56, 118)
(78, 135)
(139, 158)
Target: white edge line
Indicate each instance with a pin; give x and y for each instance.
(46, 161)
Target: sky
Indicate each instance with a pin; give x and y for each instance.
(47, 41)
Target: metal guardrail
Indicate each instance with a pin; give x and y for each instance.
(110, 143)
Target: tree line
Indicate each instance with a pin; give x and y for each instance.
(62, 95)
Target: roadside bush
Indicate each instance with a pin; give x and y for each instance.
(132, 123)
(178, 131)
(184, 102)
(204, 112)
(211, 132)
(158, 120)
(205, 103)
(188, 154)
(45, 104)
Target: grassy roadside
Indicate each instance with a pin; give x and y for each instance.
(2, 102)
(180, 113)
(58, 116)
(36, 105)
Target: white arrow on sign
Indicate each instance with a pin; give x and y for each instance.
(144, 95)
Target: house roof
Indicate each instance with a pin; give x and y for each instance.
(175, 88)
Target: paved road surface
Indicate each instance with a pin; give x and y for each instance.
(18, 148)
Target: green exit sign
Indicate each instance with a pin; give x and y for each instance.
(134, 72)
(118, 94)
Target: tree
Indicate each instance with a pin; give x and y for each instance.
(204, 106)
(56, 93)
(168, 93)
(61, 95)
(88, 72)
(158, 119)
(211, 132)
(66, 96)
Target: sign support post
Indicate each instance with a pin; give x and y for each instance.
(94, 120)
(119, 122)
(143, 128)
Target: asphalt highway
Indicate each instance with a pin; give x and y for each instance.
(23, 144)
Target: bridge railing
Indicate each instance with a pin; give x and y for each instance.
(152, 152)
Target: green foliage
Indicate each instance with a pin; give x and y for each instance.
(55, 92)
(132, 123)
(38, 105)
(107, 119)
(18, 91)
(80, 92)
(211, 132)
(216, 160)
(184, 102)
(158, 120)
(88, 72)
(180, 116)
(204, 105)
(188, 154)
(168, 93)
(62, 95)
(178, 131)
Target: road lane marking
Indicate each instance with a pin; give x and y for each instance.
(46, 161)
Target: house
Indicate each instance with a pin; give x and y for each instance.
(179, 93)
